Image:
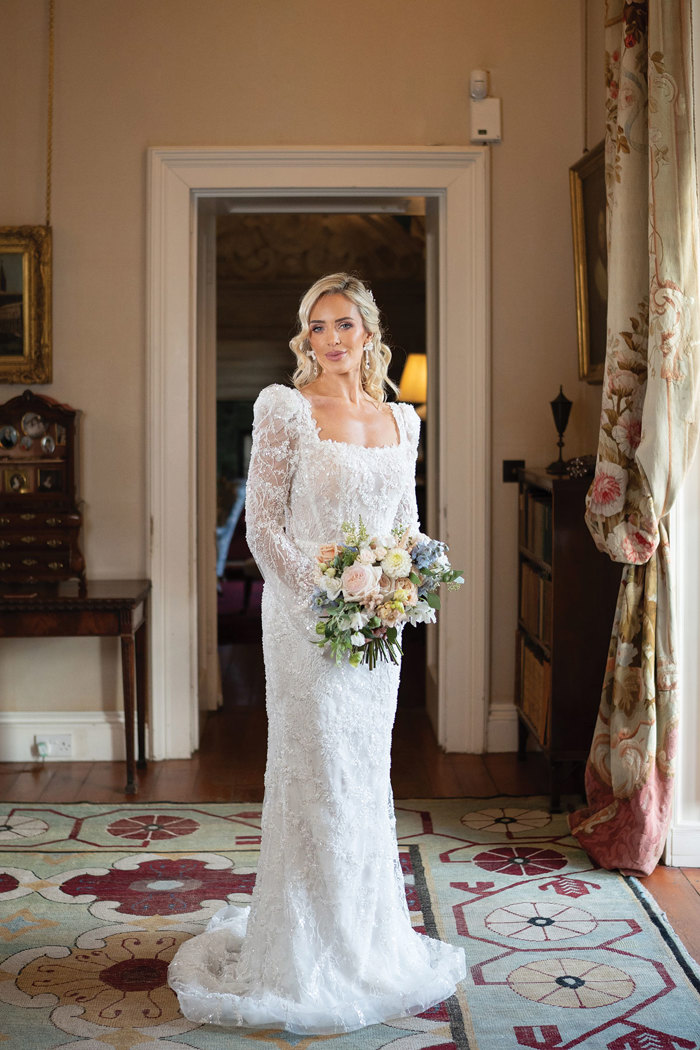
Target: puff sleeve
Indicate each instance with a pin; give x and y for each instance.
(273, 461)
(407, 511)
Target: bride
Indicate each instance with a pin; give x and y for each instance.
(326, 945)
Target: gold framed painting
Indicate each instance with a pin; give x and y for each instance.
(25, 304)
(588, 219)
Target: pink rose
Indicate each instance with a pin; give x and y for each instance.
(366, 556)
(328, 552)
(379, 547)
(623, 383)
(386, 585)
(627, 434)
(359, 582)
(631, 544)
(607, 493)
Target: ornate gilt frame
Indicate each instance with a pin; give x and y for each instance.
(586, 178)
(33, 364)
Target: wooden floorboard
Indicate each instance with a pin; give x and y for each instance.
(675, 894)
(230, 764)
(693, 877)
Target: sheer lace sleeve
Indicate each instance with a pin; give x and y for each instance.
(407, 511)
(273, 461)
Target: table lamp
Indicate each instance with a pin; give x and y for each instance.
(414, 382)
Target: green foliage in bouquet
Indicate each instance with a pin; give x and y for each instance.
(339, 639)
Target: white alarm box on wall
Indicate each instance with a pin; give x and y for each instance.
(485, 120)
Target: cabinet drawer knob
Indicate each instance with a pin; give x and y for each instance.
(28, 561)
(27, 517)
(54, 543)
(55, 564)
(4, 564)
(53, 521)
(29, 539)
(4, 543)
(4, 521)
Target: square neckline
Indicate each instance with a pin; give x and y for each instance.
(352, 444)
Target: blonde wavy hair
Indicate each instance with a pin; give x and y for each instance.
(374, 375)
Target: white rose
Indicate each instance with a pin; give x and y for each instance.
(331, 585)
(366, 556)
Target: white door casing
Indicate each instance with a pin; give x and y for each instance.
(455, 181)
(209, 690)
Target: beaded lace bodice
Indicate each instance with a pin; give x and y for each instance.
(301, 488)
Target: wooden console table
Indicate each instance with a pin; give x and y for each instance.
(103, 608)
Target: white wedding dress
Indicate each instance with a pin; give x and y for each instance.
(326, 945)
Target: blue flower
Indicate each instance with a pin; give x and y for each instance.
(318, 599)
(424, 554)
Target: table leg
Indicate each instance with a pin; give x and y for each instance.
(128, 681)
(141, 691)
(522, 740)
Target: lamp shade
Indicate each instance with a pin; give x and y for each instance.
(414, 379)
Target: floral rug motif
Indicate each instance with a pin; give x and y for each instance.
(95, 900)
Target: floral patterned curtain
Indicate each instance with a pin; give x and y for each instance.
(649, 421)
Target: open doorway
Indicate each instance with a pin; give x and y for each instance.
(181, 182)
(265, 261)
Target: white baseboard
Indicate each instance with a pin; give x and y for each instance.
(97, 736)
(502, 729)
(683, 846)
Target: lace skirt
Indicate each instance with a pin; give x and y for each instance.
(327, 944)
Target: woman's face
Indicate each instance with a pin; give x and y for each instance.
(336, 334)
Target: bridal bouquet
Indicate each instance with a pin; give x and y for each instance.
(368, 586)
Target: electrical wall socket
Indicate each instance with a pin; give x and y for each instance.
(54, 745)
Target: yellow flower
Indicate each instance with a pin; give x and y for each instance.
(408, 589)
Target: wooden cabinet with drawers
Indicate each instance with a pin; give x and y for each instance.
(40, 516)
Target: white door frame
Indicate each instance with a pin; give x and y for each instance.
(456, 178)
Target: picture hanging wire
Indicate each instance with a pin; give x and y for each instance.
(49, 114)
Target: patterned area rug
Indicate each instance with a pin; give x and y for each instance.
(94, 901)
